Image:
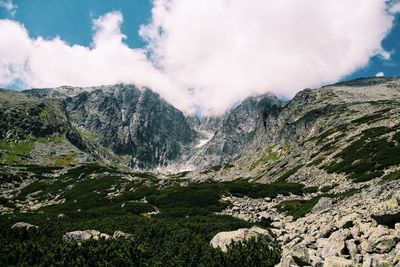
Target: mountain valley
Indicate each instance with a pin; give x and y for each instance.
(314, 181)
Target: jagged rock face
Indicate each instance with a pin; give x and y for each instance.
(23, 117)
(206, 124)
(238, 129)
(132, 122)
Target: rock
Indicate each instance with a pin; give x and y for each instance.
(120, 234)
(352, 248)
(23, 225)
(60, 215)
(334, 245)
(323, 204)
(223, 239)
(316, 261)
(381, 240)
(384, 244)
(387, 213)
(78, 236)
(104, 236)
(325, 231)
(297, 254)
(338, 262)
(347, 221)
(376, 260)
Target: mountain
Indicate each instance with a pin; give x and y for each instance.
(129, 121)
(237, 129)
(320, 171)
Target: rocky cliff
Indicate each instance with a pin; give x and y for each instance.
(129, 121)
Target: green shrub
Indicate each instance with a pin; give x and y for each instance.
(367, 157)
(297, 208)
(289, 173)
(155, 242)
(392, 176)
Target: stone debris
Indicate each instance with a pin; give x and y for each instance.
(360, 230)
(222, 240)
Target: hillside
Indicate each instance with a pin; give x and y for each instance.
(320, 171)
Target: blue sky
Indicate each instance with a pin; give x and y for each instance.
(208, 53)
(388, 67)
(72, 19)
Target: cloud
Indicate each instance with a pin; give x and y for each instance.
(380, 74)
(395, 8)
(51, 63)
(210, 53)
(228, 49)
(9, 6)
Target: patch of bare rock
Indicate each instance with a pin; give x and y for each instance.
(79, 236)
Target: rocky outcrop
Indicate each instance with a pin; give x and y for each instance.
(324, 203)
(238, 129)
(340, 238)
(132, 122)
(120, 234)
(23, 225)
(222, 240)
(79, 236)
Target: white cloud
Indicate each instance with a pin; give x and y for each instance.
(50, 63)
(228, 49)
(385, 55)
(395, 8)
(222, 50)
(9, 6)
(380, 74)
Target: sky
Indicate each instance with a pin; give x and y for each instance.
(198, 55)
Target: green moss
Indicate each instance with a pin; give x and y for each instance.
(87, 135)
(269, 155)
(14, 152)
(65, 159)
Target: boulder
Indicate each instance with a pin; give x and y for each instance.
(297, 254)
(387, 213)
(223, 239)
(78, 236)
(383, 244)
(120, 234)
(334, 245)
(338, 262)
(352, 248)
(347, 221)
(323, 204)
(376, 260)
(23, 225)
